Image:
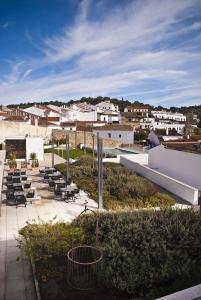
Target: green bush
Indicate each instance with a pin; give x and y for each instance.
(48, 244)
(121, 189)
(147, 254)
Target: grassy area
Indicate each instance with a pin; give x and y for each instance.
(121, 189)
(74, 153)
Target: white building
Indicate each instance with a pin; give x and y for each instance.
(166, 115)
(151, 124)
(140, 109)
(109, 117)
(121, 133)
(107, 106)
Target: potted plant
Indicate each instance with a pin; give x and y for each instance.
(34, 160)
(12, 161)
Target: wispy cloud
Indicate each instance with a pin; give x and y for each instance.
(5, 25)
(145, 48)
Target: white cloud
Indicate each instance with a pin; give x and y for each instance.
(125, 50)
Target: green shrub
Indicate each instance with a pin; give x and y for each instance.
(48, 244)
(121, 189)
(146, 253)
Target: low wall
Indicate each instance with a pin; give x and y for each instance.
(191, 293)
(176, 187)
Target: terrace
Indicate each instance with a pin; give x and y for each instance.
(15, 273)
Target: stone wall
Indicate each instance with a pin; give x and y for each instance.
(61, 135)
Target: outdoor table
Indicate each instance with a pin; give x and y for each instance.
(17, 184)
(67, 189)
(15, 176)
(53, 174)
(59, 181)
(19, 193)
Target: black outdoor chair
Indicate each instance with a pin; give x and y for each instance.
(27, 185)
(58, 192)
(51, 184)
(24, 177)
(16, 173)
(9, 179)
(46, 177)
(61, 185)
(76, 193)
(9, 186)
(23, 172)
(18, 188)
(69, 196)
(16, 180)
(30, 194)
(10, 173)
(20, 199)
(10, 199)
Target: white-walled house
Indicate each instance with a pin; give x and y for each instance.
(166, 115)
(142, 110)
(179, 128)
(107, 106)
(109, 117)
(121, 133)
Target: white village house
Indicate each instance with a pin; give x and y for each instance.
(121, 133)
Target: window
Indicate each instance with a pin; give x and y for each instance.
(120, 136)
(109, 135)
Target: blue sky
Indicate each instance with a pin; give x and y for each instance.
(147, 50)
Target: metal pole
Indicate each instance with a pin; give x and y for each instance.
(67, 158)
(93, 151)
(76, 139)
(84, 142)
(100, 172)
(52, 151)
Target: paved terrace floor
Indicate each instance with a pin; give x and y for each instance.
(16, 280)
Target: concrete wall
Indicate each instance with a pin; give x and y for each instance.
(180, 165)
(176, 187)
(13, 129)
(35, 144)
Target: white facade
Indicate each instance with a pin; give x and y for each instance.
(180, 165)
(109, 118)
(125, 137)
(107, 105)
(168, 115)
(163, 125)
(36, 145)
